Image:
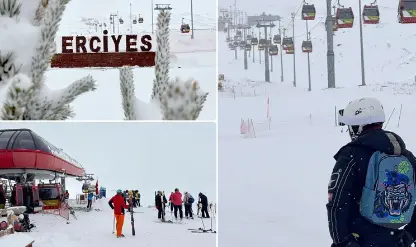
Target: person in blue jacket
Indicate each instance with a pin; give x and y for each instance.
(90, 197)
(349, 225)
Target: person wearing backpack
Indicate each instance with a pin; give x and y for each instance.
(188, 200)
(371, 192)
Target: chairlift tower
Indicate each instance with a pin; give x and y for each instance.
(245, 28)
(113, 21)
(263, 24)
(361, 47)
(294, 49)
(330, 57)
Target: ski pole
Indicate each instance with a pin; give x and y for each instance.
(114, 223)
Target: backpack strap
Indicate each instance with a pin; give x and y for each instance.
(397, 149)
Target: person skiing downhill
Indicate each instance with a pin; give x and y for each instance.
(177, 204)
(371, 192)
(117, 203)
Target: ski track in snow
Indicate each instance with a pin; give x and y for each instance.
(283, 174)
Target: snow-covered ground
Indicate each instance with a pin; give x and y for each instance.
(95, 228)
(190, 57)
(279, 179)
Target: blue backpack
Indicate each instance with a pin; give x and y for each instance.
(191, 199)
(389, 194)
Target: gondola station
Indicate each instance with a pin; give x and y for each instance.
(26, 162)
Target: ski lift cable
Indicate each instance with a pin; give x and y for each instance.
(316, 24)
(297, 11)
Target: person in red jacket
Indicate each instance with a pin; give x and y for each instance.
(177, 203)
(117, 203)
(170, 201)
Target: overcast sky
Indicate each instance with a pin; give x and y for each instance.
(143, 156)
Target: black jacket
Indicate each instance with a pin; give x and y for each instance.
(203, 199)
(158, 201)
(347, 181)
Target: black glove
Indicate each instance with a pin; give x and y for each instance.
(405, 238)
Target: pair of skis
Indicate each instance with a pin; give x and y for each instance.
(203, 230)
(133, 230)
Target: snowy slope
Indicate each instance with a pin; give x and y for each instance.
(95, 229)
(190, 58)
(284, 172)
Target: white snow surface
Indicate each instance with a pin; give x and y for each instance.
(95, 228)
(284, 172)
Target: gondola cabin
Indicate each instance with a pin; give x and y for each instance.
(185, 28)
(273, 50)
(254, 41)
(308, 12)
(262, 44)
(121, 21)
(344, 17)
(290, 51)
(371, 14)
(50, 195)
(287, 43)
(134, 21)
(307, 46)
(140, 19)
(277, 39)
(407, 11)
(242, 45)
(248, 47)
(27, 195)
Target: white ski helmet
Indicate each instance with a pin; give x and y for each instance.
(359, 113)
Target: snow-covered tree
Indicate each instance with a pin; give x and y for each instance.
(27, 43)
(171, 99)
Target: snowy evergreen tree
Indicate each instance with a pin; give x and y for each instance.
(171, 99)
(23, 93)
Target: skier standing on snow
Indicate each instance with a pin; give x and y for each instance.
(177, 204)
(170, 201)
(371, 192)
(117, 203)
(187, 201)
(137, 196)
(90, 197)
(160, 202)
(204, 205)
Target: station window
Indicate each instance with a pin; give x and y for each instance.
(24, 140)
(4, 138)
